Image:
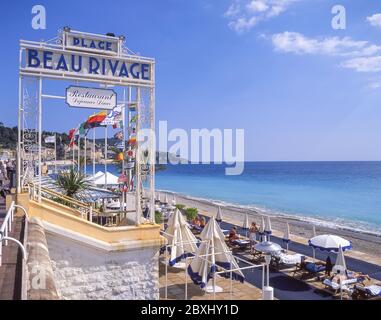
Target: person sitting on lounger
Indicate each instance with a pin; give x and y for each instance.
(233, 234)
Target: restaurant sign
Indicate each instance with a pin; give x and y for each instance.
(94, 98)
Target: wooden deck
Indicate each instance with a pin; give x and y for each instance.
(10, 270)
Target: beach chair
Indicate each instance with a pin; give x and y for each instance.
(309, 270)
(334, 287)
(241, 244)
(367, 292)
(281, 259)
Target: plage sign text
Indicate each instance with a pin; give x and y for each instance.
(83, 43)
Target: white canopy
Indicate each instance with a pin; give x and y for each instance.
(262, 226)
(329, 242)
(268, 225)
(181, 240)
(211, 253)
(286, 236)
(100, 178)
(267, 247)
(245, 225)
(219, 215)
(340, 262)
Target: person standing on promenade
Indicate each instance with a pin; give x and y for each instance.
(253, 233)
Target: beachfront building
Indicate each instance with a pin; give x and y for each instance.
(89, 259)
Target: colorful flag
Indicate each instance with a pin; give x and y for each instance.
(119, 135)
(82, 129)
(95, 120)
(119, 156)
(132, 141)
(114, 115)
(50, 139)
(119, 145)
(132, 106)
(131, 130)
(133, 119)
(71, 137)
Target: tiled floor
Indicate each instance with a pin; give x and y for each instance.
(176, 287)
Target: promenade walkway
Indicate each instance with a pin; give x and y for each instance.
(10, 270)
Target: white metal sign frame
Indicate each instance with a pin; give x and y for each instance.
(44, 70)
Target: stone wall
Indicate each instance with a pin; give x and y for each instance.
(84, 272)
(41, 283)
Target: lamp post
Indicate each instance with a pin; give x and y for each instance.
(267, 291)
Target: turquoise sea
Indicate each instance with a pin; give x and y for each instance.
(346, 194)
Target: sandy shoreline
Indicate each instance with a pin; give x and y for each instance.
(369, 244)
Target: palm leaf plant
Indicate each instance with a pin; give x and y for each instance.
(72, 182)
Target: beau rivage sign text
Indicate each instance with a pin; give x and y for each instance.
(85, 58)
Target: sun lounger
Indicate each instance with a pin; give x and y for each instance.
(309, 269)
(241, 244)
(335, 287)
(288, 260)
(367, 292)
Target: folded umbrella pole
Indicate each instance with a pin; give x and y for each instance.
(211, 253)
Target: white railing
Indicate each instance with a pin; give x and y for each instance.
(6, 228)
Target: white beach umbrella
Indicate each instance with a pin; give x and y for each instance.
(340, 264)
(211, 253)
(245, 224)
(268, 230)
(182, 243)
(219, 215)
(268, 225)
(329, 242)
(262, 228)
(286, 236)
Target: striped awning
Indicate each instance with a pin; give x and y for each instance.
(88, 195)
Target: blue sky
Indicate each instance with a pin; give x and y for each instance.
(276, 68)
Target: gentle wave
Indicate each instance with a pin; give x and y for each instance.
(337, 223)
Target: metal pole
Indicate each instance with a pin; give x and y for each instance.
(166, 273)
(84, 163)
(39, 137)
(106, 157)
(124, 127)
(55, 153)
(263, 277)
(94, 151)
(152, 153)
(79, 152)
(231, 285)
(268, 274)
(137, 159)
(19, 134)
